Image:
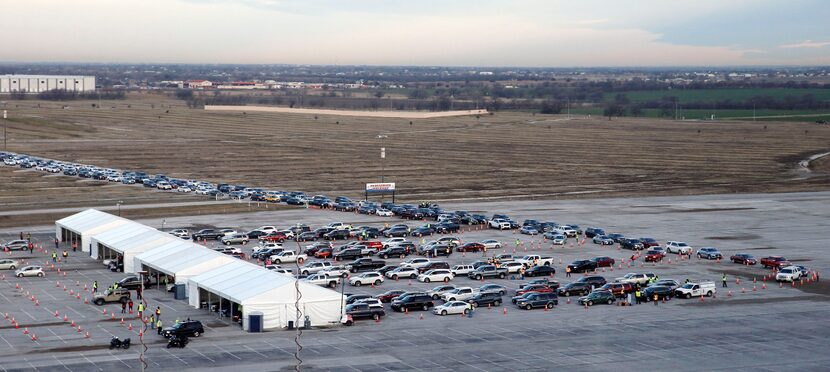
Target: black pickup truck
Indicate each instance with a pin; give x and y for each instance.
(365, 264)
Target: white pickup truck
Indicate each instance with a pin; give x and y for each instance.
(689, 290)
(340, 270)
(314, 267)
(788, 274)
(288, 256)
(460, 294)
(531, 260)
(323, 280)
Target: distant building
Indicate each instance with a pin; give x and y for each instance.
(45, 83)
(199, 84)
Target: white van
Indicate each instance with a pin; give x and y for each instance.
(689, 290)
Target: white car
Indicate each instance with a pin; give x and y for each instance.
(565, 230)
(163, 185)
(114, 178)
(31, 270)
(678, 247)
(266, 229)
(402, 272)
(461, 270)
(339, 226)
(513, 267)
(184, 188)
(452, 307)
(635, 278)
(384, 212)
(788, 274)
(491, 244)
(439, 291)
(500, 224)
(228, 231)
(372, 302)
(181, 233)
(558, 240)
(460, 294)
(371, 277)
(335, 271)
(8, 264)
(280, 270)
(437, 275)
(391, 242)
(416, 262)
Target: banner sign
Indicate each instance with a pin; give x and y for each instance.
(380, 187)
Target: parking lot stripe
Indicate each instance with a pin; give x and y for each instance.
(61, 362)
(56, 335)
(27, 313)
(225, 351)
(469, 365)
(251, 349)
(119, 359)
(203, 355)
(175, 356)
(7, 342)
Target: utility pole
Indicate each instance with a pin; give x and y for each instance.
(119, 207)
(569, 107)
(5, 136)
(382, 137)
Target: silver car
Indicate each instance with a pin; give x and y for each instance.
(235, 239)
(17, 245)
(8, 264)
(31, 270)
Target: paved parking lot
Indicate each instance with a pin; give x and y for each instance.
(754, 330)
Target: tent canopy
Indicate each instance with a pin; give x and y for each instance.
(88, 220)
(183, 260)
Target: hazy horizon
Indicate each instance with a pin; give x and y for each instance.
(463, 33)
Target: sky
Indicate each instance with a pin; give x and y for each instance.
(525, 33)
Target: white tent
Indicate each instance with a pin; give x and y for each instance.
(131, 249)
(182, 261)
(81, 226)
(119, 236)
(273, 294)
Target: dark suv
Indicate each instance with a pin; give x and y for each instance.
(337, 234)
(581, 266)
(207, 234)
(130, 282)
(187, 328)
(348, 254)
(393, 252)
(632, 244)
(362, 311)
(593, 280)
(413, 302)
(535, 300)
(486, 298)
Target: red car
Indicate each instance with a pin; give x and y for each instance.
(743, 259)
(604, 261)
(654, 256)
(389, 295)
(275, 236)
(775, 262)
(618, 289)
(323, 253)
(540, 288)
(471, 247)
(376, 245)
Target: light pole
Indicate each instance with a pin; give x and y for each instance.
(119, 207)
(5, 124)
(382, 137)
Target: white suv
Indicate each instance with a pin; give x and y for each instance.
(437, 275)
(371, 277)
(788, 274)
(678, 247)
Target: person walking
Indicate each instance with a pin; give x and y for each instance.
(123, 307)
(29, 236)
(54, 256)
(74, 246)
(130, 304)
(141, 310)
(21, 235)
(158, 313)
(567, 271)
(655, 299)
(138, 292)
(152, 321)
(723, 280)
(158, 326)
(31, 248)
(94, 286)
(57, 243)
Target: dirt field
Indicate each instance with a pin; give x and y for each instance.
(351, 113)
(502, 155)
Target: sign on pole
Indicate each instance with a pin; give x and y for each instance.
(380, 187)
(383, 152)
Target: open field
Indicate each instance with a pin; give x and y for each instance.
(714, 95)
(351, 113)
(742, 330)
(503, 155)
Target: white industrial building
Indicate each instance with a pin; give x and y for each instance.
(222, 284)
(45, 83)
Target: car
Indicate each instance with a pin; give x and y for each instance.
(235, 239)
(743, 259)
(16, 245)
(361, 310)
(538, 299)
(618, 289)
(436, 275)
(662, 292)
(696, 289)
(709, 253)
(581, 266)
(348, 254)
(423, 231)
(602, 240)
(486, 299)
(556, 238)
(788, 274)
(190, 328)
(459, 270)
(372, 302)
(180, 233)
(388, 296)
(370, 277)
(130, 282)
(654, 255)
(416, 262)
(673, 284)
(440, 290)
(399, 232)
(470, 247)
(491, 244)
(434, 265)
(395, 251)
(597, 297)
(8, 264)
(403, 272)
(632, 244)
(306, 236)
(337, 235)
(495, 288)
(121, 295)
(420, 301)
(30, 270)
(362, 264)
(460, 294)
(324, 253)
(635, 278)
(528, 230)
(500, 224)
(205, 234)
(540, 270)
(603, 261)
(452, 307)
(774, 262)
(591, 232)
(616, 237)
(575, 288)
(384, 212)
(314, 267)
(488, 271)
(678, 247)
(513, 267)
(541, 288)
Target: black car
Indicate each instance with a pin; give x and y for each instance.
(130, 282)
(617, 238)
(435, 250)
(306, 236)
(423, 231)
(364, 264)
(386, 269)
(395, 251)
(591, 232)
(540, 270)
(322, 231)
(538, 299)
(581, 266)
(632, 244)
(353, 298)
(337, 234)
(447, 227)
(362, 311)
(255, 234)
(597, 297)
(265, 253)
(205, 234)
(593, 280)
(486, 298)
(661, 292)
(413, 302)
(366, 210)
(348, 254)
(575, 288)
(396, 232)
(192, 328)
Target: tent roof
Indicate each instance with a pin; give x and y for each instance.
(128, 232)
(88, 220)
(173, 258)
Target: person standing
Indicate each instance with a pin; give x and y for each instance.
(57, 243)
(130, 304)
(158, 313)
(723, 280)
(74, 246)
(65, 255)
(29, 236)
(21, 235)
(567, 271)
(54, 256)
(94, 286)
(123, 307)
(31, 248)
(152, 321)
(140, 309)
(655, 299)
(158, 326)
(637, 297)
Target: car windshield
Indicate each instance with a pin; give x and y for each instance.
(688, 285)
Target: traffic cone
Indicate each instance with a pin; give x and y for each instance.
(701, 298)
(57, 284)
(86, 301)
(728, 293)
(113, 316)
(85, 289)
(763, 285)
(105, 311)
(72, 324)
(131, 326)
(86, 335)
(754, 288)
(64, 274)
(122, 321)
(738, 281)
(780, 285)
(65, 318)
(34, 338)
(37, 302)
(78, 296)
(140, 333)
(568, 301)
(56, 314)
(743, 290)
(77, 283)
(406, 311)
(421, 317)
(71, 292)
(505, 311)
(17, 285)
(26, 331)
(754, 280)
(79, 329)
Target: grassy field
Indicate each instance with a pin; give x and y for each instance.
(700, 114)
(714, 95)
(508, 154)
